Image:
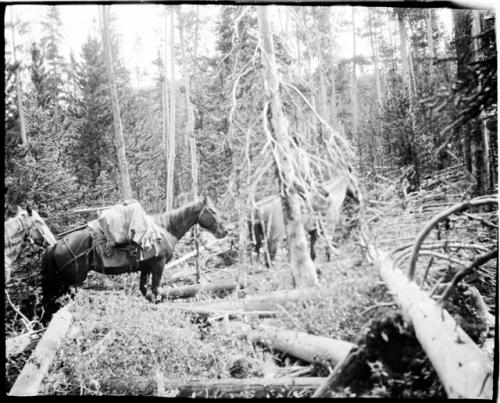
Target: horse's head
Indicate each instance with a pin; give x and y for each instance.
(39, 232)
(209, 219)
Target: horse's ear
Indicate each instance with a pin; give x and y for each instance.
(29, 209)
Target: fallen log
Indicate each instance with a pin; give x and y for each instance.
(307, 347)
(270, 301)
(464, 370)
(254, 387)
(218, 313)
(191, 290)
(30, 379)
(19, 344)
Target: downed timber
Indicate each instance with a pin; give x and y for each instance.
(255, 387)
(19, 344)
(270, 301)
(218, 313)
(307, 347)
(30, 379)
(191, 290)
(464, 370)
(457, 208)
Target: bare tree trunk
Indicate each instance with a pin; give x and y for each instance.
(430, 44)
(375, 60)
(303, 270)
(354, 92)
(171, 129)
(480, 140)
(19, 92)
(333, 98)
(322, 101)
(117, 123)
(190, 140)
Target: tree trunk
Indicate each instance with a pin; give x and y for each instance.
(462, 367)
(30, 379)
(265, 302)
(466, 24)
(19, 92)
(354, 92)
(333, 98)
(169, 203)
(375, 61)
(303, 270)
(117, 122)
(307, 347)
(430, 44)
(219, 388)
(192, 290)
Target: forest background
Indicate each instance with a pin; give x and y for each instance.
(415, 99)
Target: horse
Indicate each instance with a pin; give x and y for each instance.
(68, 262)
(26, 224)
(267, 226)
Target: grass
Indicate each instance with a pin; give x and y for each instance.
(121, 335)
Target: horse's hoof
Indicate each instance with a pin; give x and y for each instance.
(149, 296)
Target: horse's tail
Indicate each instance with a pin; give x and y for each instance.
(50, 282)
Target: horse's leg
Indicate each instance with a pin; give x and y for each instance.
(313, 238)
(272, 248)
(143, 281)
(156, 278)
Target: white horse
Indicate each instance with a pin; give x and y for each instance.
(25, 224)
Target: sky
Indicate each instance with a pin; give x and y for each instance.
(141, 27)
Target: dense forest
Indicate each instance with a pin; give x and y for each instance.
(278, 106)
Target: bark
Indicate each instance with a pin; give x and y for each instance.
(19, 92)
(30, 379)
(126, 189)
(192, 290)
(303, 270)
(170, 155)
(307, 347)
(220, 388)
(464, 370)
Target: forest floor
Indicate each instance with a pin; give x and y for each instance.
(117, 334)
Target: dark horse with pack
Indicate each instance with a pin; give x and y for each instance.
(68, 262)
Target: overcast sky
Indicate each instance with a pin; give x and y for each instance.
(141, 27)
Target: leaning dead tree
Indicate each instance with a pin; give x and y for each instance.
(297, 170)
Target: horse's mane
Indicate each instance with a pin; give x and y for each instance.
(170, 218)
